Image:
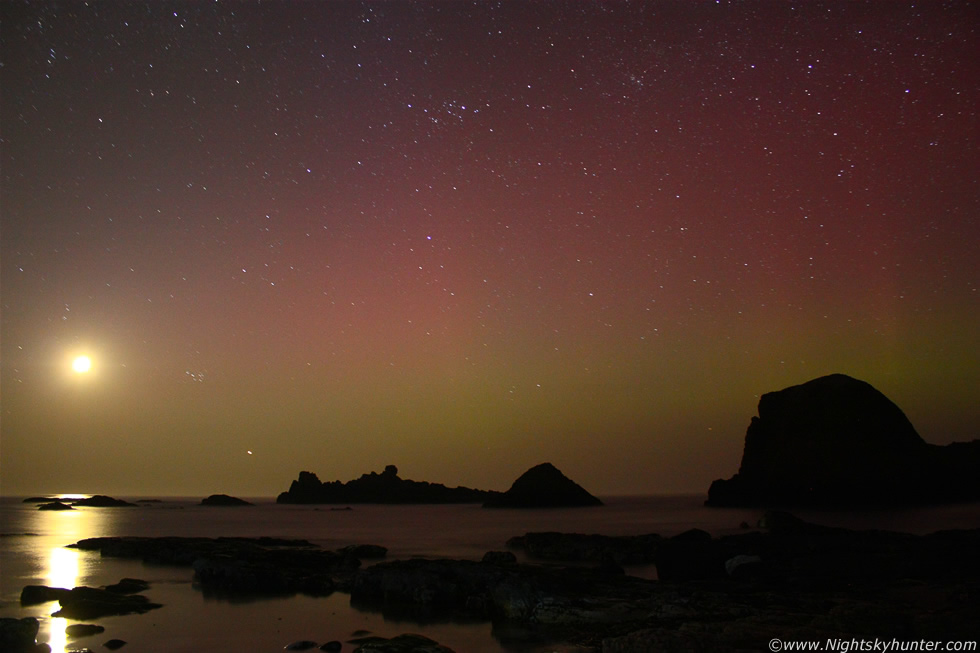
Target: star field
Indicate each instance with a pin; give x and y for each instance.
(465, 238)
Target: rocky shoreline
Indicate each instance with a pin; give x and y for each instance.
(788, 579)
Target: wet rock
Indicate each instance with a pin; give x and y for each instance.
(77, 631)
(129, 586)
(408, 643)
(224, 500)
(301, 645)
(238, 565)
(114, 644)
(332, 646)
(543, 486)
(18, 635)
(35, 594)
(81, 603)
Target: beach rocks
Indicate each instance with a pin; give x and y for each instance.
(77, 631)
(236, 565)
(837, 441)
(301, 645)
(408, 643)
(543, 486)
(574, 547)
(114, 644)
(224, 500)
(18, 635)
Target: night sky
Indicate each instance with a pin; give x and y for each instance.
(466, 238)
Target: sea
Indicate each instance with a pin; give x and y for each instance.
(32, 552)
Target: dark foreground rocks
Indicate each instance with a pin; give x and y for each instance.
(543, 486)
(575, 547)
(793, 580)
(836, 441)
(790, 580)
(19, 635)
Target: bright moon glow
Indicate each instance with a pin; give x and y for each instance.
(82, 364)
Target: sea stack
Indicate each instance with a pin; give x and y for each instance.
(543, 486)
(836, 441)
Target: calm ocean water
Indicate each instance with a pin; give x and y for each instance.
(32, 552)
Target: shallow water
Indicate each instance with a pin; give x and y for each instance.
(32, 553)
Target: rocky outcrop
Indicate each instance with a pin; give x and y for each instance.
(837, 442)
(78, 631)
(543, 486)
(224, 500)
(575, 547)
(87, 602)
(385, 487)
(55, 505)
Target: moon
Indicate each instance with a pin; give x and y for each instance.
(81, 364)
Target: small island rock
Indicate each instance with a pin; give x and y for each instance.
(543, 486)
(224, 500)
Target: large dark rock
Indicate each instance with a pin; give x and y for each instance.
(18, 635)
(837, 441)
(576, 547)
(385, 487)
(77, 631)
(543, 486)
(224, 500)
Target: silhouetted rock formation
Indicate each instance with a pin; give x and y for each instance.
(102, 501)
(837, 441)
(385, 487)
(543, 486)
(19, 635)
(54, 505)
(224, 500)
